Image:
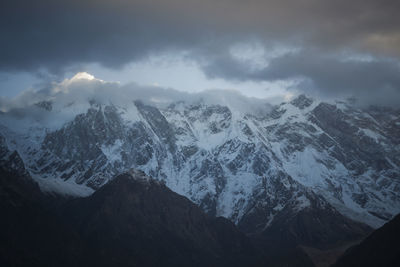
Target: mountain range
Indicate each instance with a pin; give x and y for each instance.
(304, 172)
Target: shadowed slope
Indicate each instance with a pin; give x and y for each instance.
(381, 248)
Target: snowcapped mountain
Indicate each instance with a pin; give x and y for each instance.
(248, 165)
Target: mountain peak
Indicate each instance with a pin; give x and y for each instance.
(140, 176)
(302, 101)
(83, 76)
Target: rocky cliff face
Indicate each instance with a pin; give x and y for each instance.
(248, 167)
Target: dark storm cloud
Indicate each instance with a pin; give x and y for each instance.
(56, 34)
(327, 75)
(53, 35)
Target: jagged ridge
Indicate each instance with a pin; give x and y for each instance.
(246, 167)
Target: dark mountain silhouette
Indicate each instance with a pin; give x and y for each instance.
(381, 248)
(129, 222)
(30, 233)
(135, 220)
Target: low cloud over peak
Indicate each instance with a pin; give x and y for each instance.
(73, 96)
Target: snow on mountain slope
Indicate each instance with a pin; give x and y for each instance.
(241, 164)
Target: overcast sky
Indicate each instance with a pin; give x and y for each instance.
(261, 48)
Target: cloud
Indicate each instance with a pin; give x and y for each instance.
(375, 81)
(74, 96)
(53, 36)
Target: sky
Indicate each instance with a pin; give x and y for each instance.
(261, 48)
